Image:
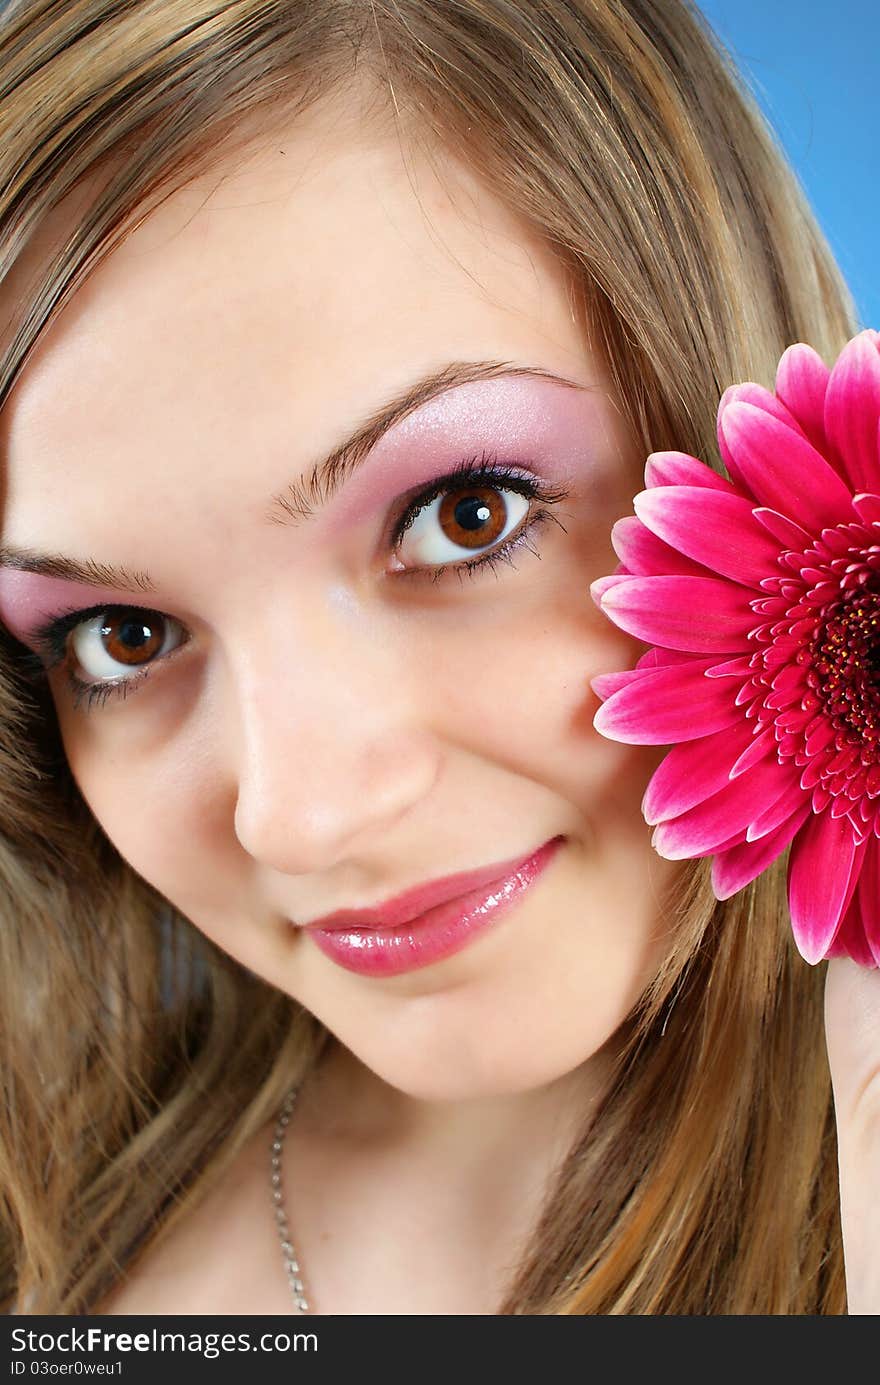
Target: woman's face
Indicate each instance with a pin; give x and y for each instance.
(336, 710)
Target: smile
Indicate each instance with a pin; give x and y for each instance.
(377, 946)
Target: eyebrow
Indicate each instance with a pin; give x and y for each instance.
(303, 498)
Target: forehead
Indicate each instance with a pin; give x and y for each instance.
(264, 307)
(331, 231)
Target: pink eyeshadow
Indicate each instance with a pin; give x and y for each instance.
(554, 429)
(557, 431)
(27, 599)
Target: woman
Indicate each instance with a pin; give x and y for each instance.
(313, 315)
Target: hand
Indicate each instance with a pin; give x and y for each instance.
(852, 1032)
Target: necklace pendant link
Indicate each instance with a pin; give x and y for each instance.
(288, 1253)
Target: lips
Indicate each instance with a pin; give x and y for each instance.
(405, 907)
(429, 922)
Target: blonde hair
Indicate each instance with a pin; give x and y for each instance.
(137, 1058)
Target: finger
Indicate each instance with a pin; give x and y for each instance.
(852, 1033)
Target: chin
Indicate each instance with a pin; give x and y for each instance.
(463, 1073)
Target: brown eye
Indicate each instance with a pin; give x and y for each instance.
(131, 639)
(109, 644)
(460, 521)
(474, 517)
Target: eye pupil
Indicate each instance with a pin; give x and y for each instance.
(134, 632)
(473, 518)
(126, 637)
(472, 512)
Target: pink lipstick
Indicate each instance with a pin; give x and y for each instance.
(431, 921)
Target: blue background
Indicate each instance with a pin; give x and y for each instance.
(815, 70)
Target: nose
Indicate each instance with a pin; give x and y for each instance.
(333, 751)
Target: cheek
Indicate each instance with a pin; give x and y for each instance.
(158, 793)
(514, 689)
(155, 830)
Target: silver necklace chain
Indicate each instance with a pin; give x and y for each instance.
(291, 1263)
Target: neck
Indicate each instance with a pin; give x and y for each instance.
(372, 1168)
(343, 1100)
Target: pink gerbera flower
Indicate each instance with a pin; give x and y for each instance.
(761, 598)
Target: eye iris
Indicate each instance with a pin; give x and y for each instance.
(476, 518)
(136, 637)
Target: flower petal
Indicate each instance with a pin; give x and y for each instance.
(672, 703)
(851, 940)
(761, 398)
(693, 771)
(789, 534)
(680, 469)
(852, 410)
(781, 469)
(869, 898)
(750, 393)
(714, 528)
(656, 656)
(741, 864)
(646, 555)
(819, 869)
(603, 584)
(605, 685)
(703, 614)
(738, 667)
(777, 812)
(723, 814)
(867, 506)
(761, 743)
(801, 382)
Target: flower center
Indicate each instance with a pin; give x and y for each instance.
(845, 666)
(813, 678)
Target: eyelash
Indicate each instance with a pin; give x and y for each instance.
(51, 638)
